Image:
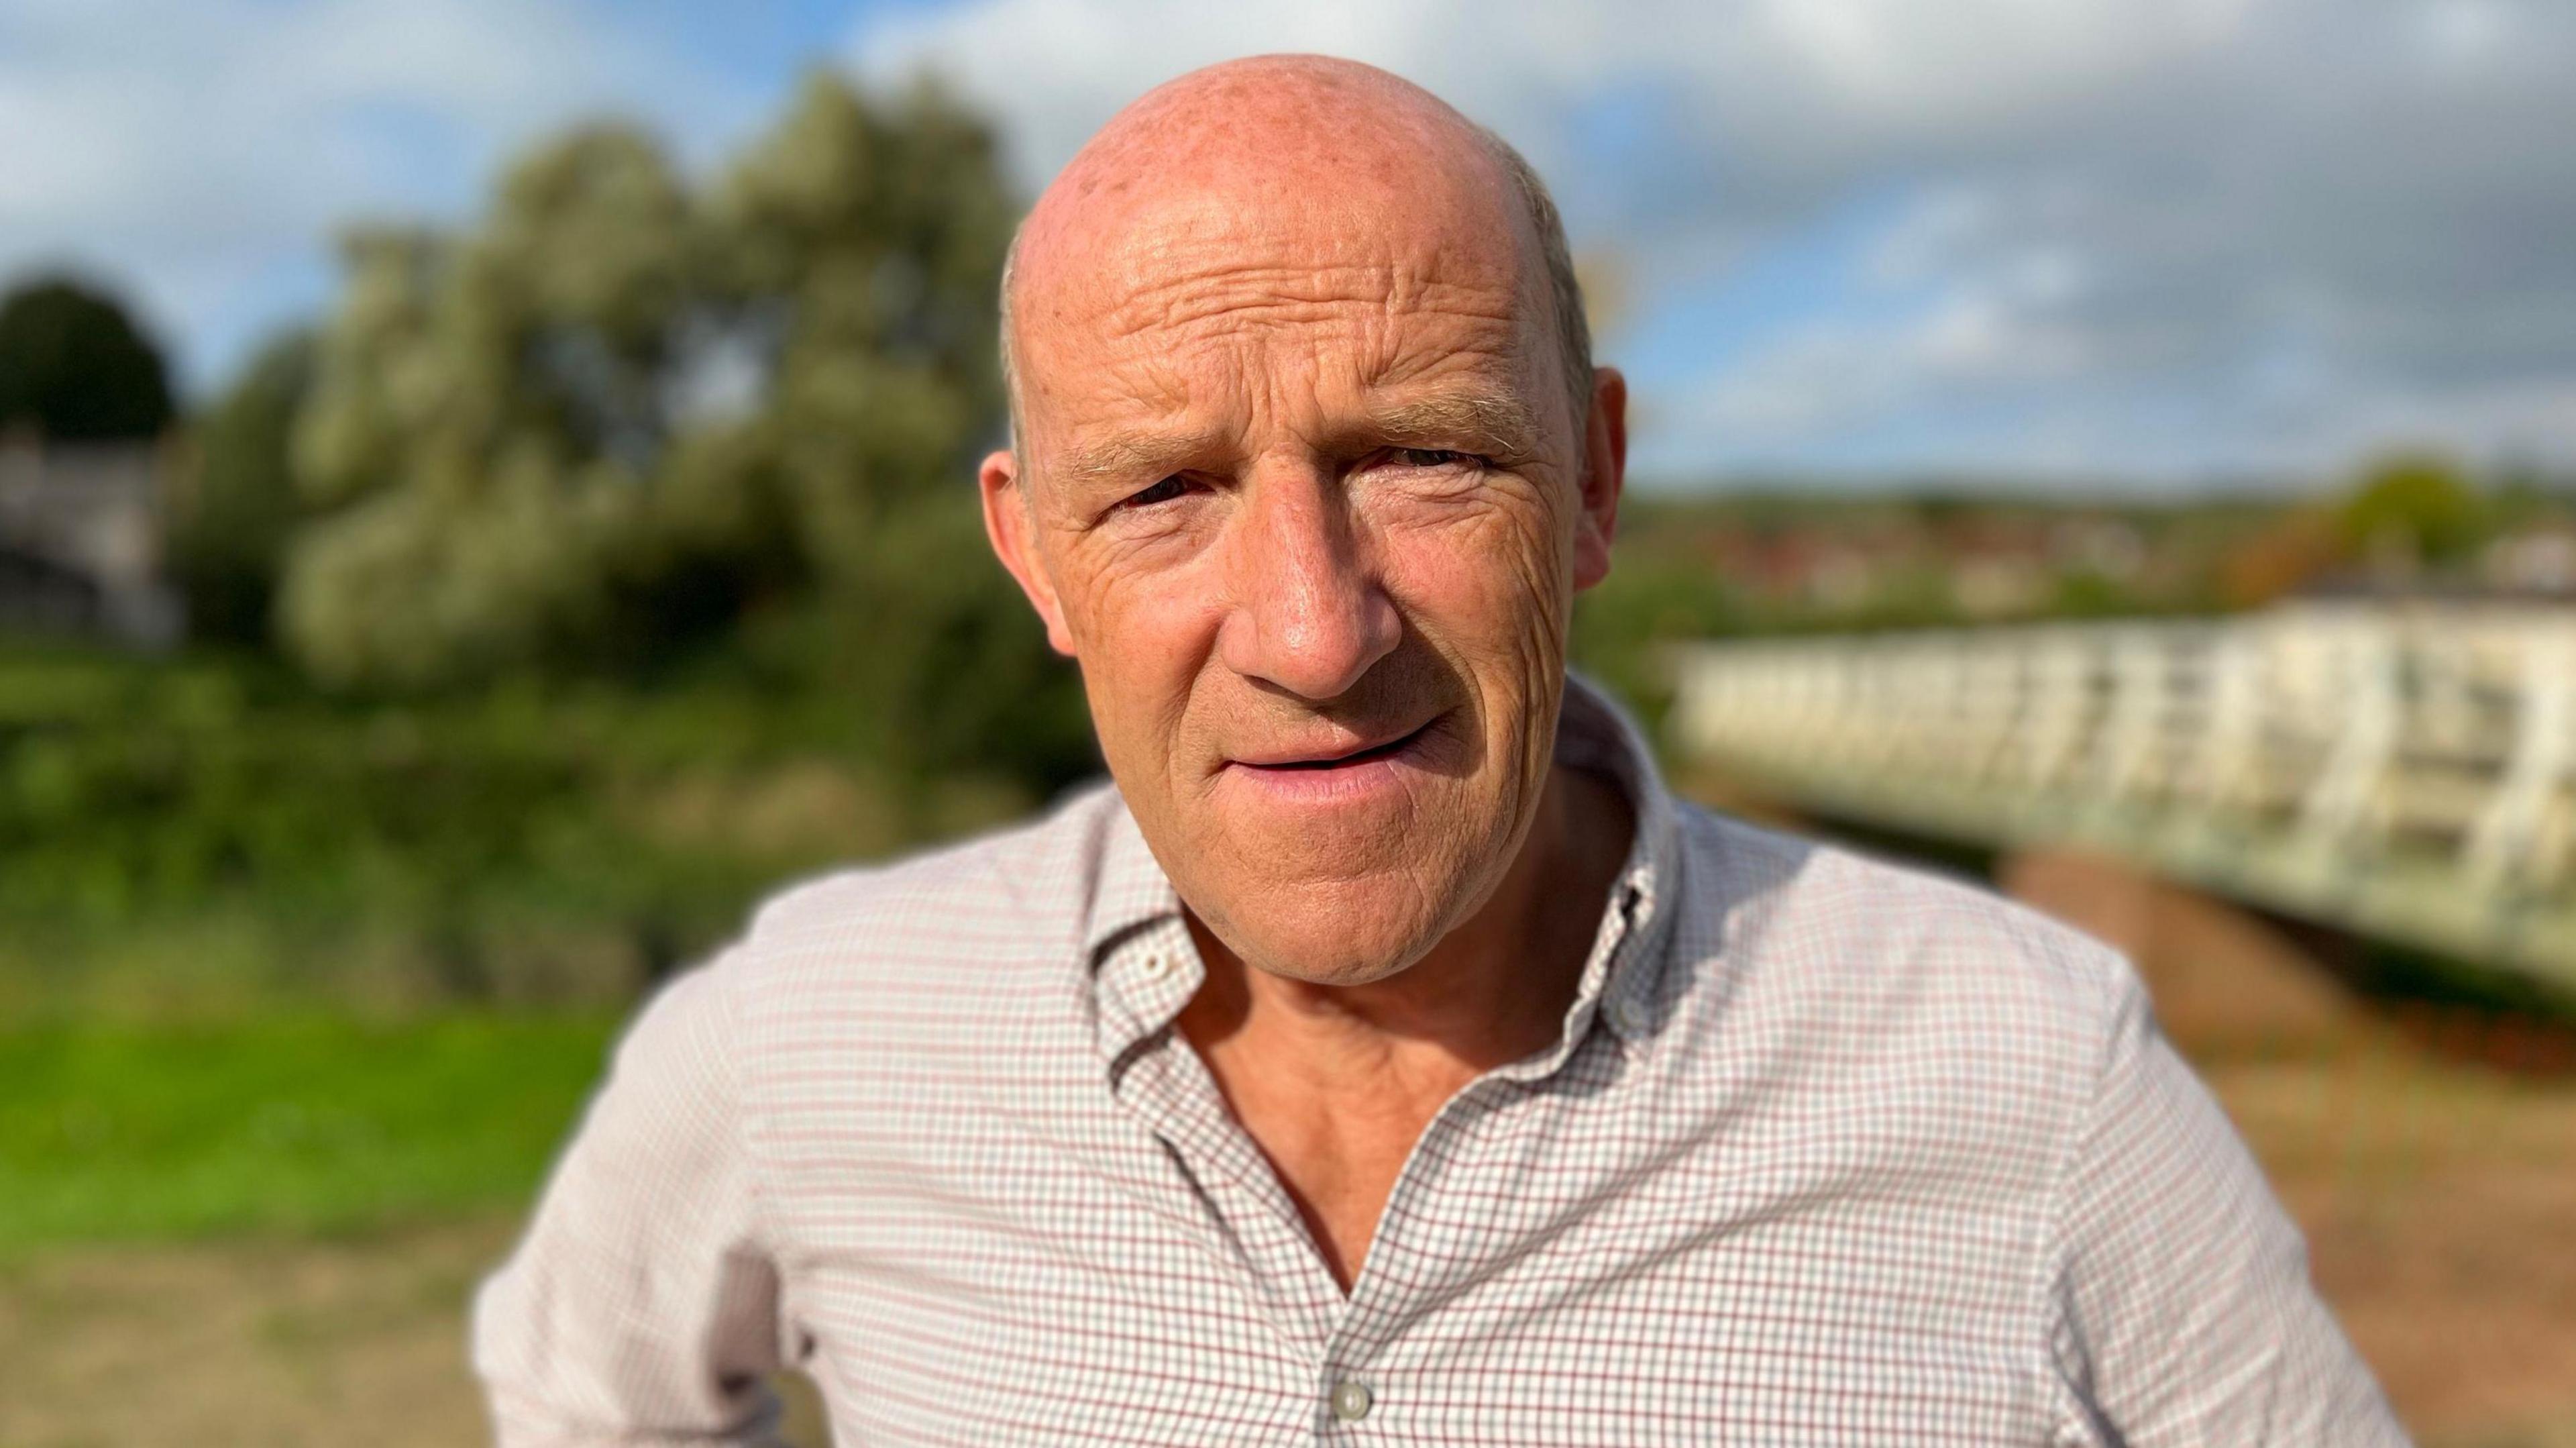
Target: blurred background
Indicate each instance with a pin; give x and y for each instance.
(485, 495)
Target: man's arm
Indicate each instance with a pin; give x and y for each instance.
(642, 1306)
(2184, 1310)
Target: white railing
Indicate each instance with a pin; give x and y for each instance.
(2405, 768)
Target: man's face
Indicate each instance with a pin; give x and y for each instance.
(1300, 487)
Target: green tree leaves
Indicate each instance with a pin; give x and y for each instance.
(636, 416)
(627, 409)
(74, 368)
(239, 503)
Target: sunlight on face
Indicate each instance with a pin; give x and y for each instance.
(1302, 495)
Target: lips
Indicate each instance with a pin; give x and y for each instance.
(1345, 752)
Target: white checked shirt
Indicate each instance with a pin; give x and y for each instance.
(1829, 1152)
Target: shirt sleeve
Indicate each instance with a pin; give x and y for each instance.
(641, 1307)
(2183, 1310)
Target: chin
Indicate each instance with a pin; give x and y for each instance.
(1342, 881)
(1342, 932)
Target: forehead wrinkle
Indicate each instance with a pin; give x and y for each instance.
(1393, 328)
(1460, 392)
(1356, 164)
(1291, 294)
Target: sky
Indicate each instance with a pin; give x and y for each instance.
(2150, 244)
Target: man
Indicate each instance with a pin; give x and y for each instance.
(1387, 1057)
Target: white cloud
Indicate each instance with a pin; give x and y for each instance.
(2148, 235)
(1055, 69)
(1857, 69)
(201, 153)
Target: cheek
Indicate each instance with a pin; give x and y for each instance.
(1142, 638)
(1489, 585)
(1492, 599)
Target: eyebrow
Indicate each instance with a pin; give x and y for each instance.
(1487, 420)
(1123, 456)
(1480, 420)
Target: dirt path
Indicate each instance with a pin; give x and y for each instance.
(265, 1343)
(357, 1341)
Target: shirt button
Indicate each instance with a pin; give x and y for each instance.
(1629, 1015)
(1352, 1400)
(1155, 966)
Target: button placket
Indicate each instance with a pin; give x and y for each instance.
(1170, 1091)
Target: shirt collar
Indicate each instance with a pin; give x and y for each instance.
(1129, 892)
(1620, 982)
(1143, 967)
(1650, 882)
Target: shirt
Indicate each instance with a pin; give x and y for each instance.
(1828, 1152)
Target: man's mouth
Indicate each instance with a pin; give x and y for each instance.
(1343, 758)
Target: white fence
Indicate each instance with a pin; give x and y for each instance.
(2406, 769)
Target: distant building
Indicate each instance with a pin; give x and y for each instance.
(2538, 560)
(81, 542)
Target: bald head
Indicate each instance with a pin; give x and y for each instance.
(1290, 132)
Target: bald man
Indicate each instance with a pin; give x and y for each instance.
(1383, 1055)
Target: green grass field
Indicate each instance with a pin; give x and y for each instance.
(308, 1124)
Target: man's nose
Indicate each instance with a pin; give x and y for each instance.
(1309, 613)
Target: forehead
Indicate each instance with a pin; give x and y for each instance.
(1154, 303)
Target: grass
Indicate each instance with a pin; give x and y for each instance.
(310, 1124)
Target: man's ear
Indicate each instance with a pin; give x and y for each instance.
(1013, 531)
(1604, 473)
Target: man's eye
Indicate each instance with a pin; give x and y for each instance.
(1162, 492)
(1432, 457)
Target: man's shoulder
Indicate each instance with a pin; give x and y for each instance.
(1829, 920)
(924, 920)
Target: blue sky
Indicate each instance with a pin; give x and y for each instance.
(2146, 243)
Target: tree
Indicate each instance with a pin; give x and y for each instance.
(238, 505)
(74, 368)
(626, 416)
(484, 424)
(2413, 508)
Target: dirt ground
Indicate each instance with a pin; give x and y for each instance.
(2438, 1192)
(2430, 1155)
(267, 1342)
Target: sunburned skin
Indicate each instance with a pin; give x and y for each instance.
(1299, 485)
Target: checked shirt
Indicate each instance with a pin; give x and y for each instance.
(1828, 1152)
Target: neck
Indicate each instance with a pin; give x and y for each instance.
(1336, 1084)
(1493, 990)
